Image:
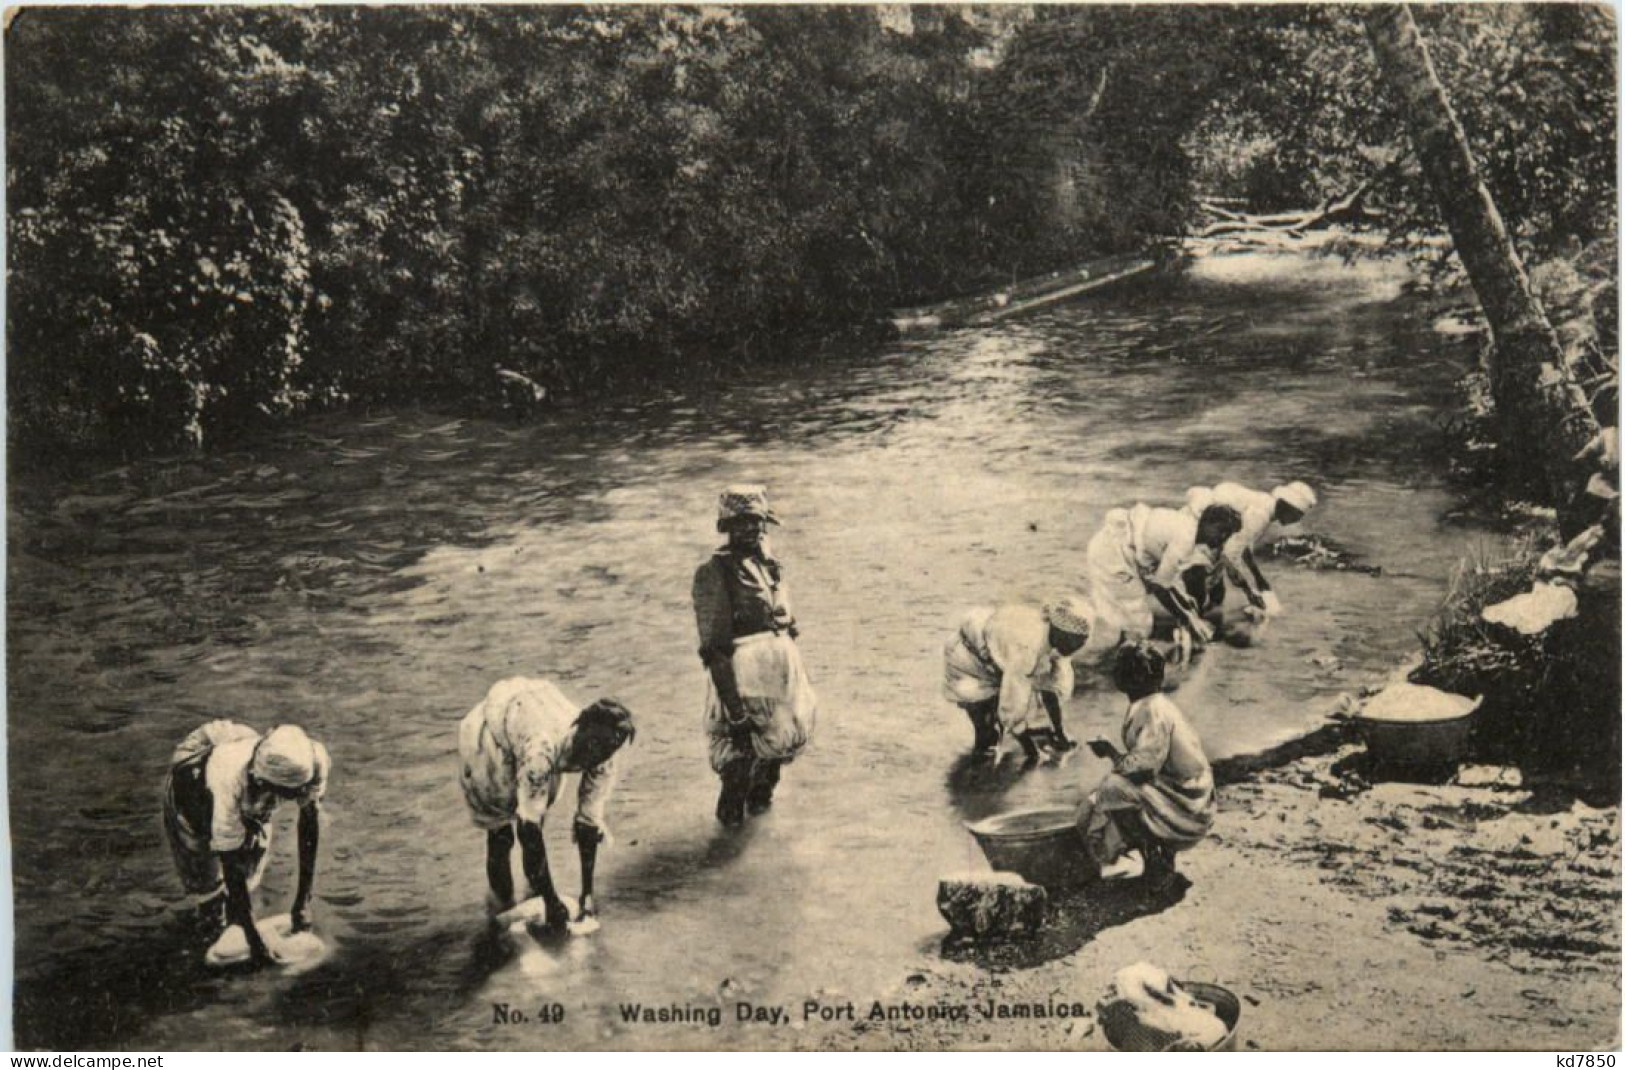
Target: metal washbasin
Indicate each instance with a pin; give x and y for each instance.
(1042, 846)
(1408, 724)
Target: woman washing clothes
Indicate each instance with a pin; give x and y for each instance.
(760, 707)
(1262, 517)
(224, 785)
(1145, 553)
(1158, 798)
(1008, 669)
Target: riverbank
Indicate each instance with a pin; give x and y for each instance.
(1478, 914)
(369, 578)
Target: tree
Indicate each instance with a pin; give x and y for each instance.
(1529, 376)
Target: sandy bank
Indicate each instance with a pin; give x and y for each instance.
(1478, 914)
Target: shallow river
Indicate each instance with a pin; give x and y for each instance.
(369, 578)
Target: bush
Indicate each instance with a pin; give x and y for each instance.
(1551, 701)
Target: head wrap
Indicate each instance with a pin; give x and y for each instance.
(285, 758)
(1298, 495)
(1070, 614)
(744, 499)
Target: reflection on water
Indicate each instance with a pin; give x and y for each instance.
(371, 578)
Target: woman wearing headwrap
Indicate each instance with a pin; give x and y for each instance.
(225, 781)
(1262, 515)
(760, 707)
(1158, 798)
(516, 748)
(1145, 551)
(1009, 666)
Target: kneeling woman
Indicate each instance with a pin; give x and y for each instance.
(1158, 798)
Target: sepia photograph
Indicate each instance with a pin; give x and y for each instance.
(1078, 527)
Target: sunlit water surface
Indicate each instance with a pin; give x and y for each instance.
(369, 578)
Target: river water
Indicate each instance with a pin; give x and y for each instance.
(369, 578)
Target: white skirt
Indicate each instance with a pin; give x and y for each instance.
(781, 708)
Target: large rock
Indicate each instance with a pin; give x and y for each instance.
(985, 905)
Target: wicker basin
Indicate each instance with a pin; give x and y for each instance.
(1042, 846)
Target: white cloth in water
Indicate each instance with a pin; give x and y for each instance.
(1005, 652)
(512, 746)
(290, 949)
(518, 916)
(1135, 547)
(780, 703)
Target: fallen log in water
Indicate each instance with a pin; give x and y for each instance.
(1137, 268)
(1338, 210)
(1021, 296)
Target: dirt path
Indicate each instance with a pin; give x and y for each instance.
(1472, 915)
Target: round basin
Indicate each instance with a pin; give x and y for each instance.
(1121, 1033)
(1042, 846)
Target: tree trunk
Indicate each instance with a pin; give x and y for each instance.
(1543, 416)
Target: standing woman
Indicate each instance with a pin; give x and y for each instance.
(760, 707)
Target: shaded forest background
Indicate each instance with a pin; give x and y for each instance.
(220, 217)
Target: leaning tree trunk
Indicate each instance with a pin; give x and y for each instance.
(1542, 414)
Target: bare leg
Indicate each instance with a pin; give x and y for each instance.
(984, 719)
(498, 871)
(735, 787)
(1158, 857)
(764, 778)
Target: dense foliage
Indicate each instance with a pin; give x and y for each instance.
(1533, 85)
(226, 215)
